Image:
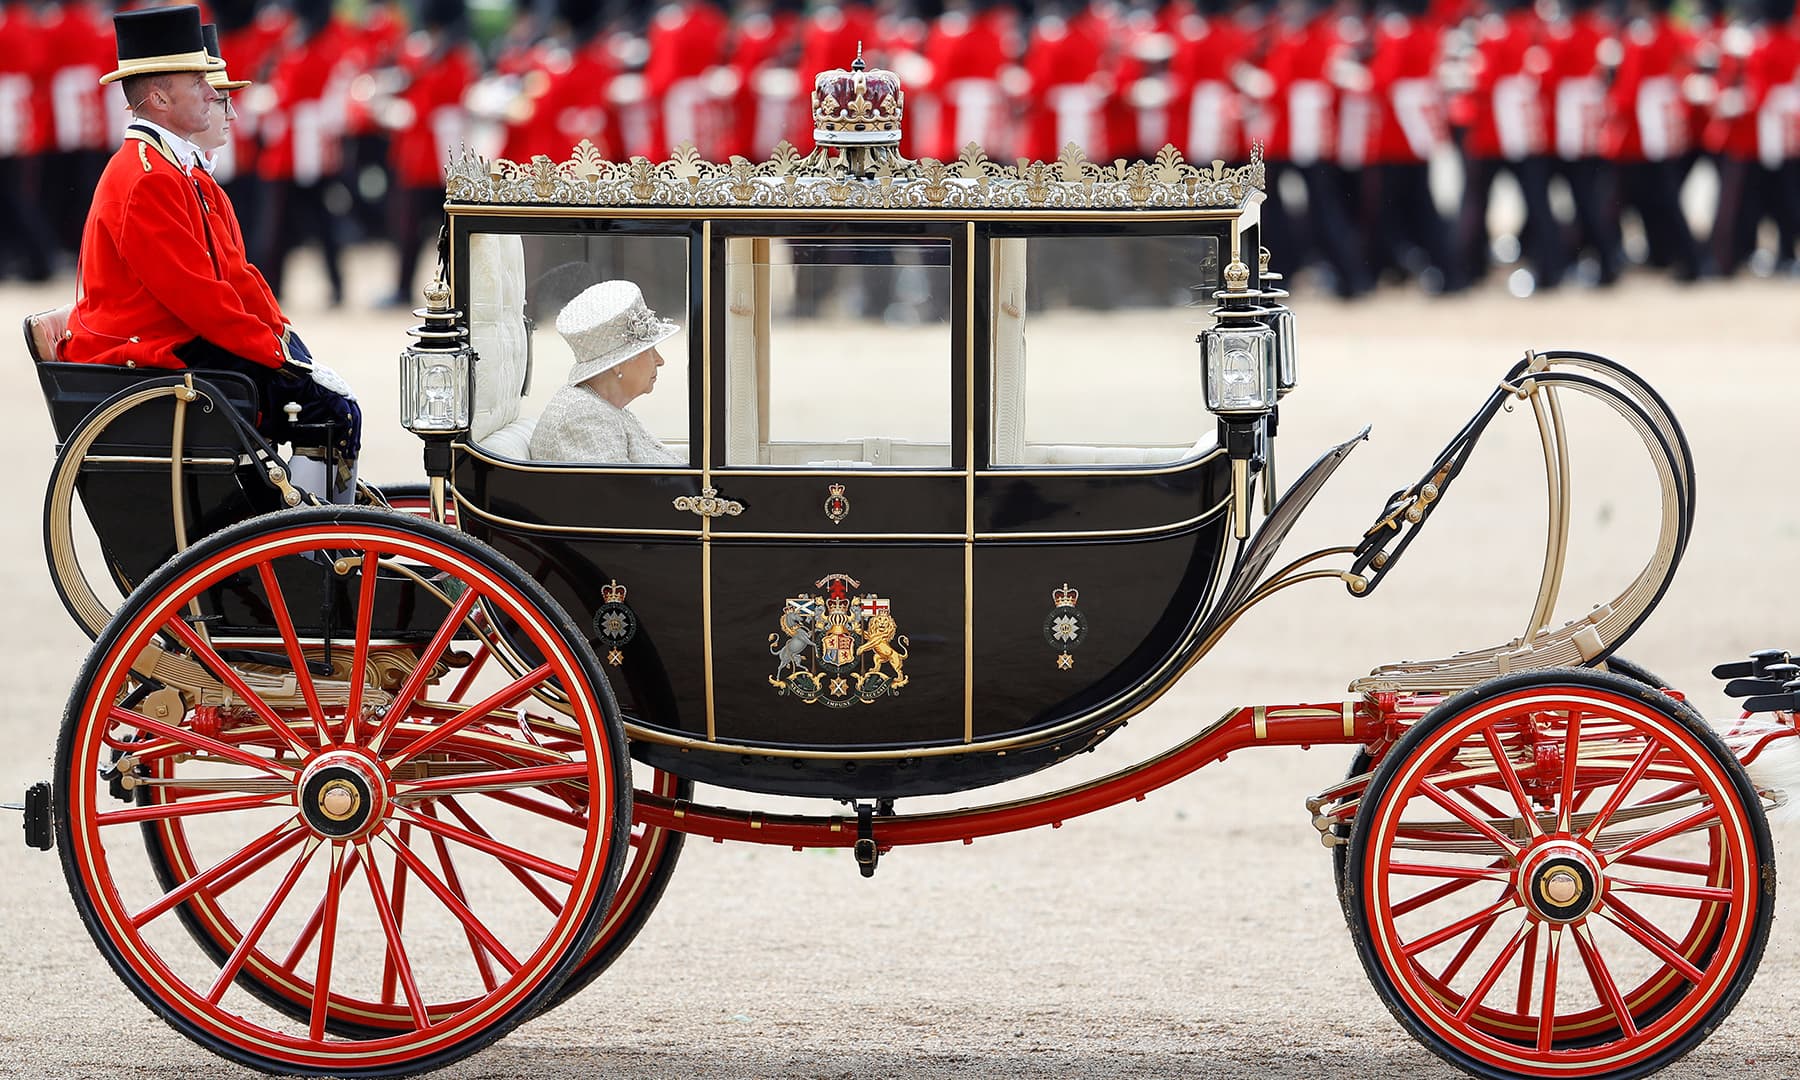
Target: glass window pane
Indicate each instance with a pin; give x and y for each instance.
(518, 286)
(837, 352)
(1093, 348)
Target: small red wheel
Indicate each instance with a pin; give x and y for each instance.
(361, 877)
(1560, 873)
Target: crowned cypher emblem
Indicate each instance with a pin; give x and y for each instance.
(838, 646)
(837, 504)
(615, 623)
(1065, 627)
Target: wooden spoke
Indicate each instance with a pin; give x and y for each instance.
(209, 657)
(507, 696)
(235, 962)
(396, 947)
(290, 640)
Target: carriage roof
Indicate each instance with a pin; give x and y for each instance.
(972, 186)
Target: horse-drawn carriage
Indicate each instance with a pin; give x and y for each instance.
(400, 781)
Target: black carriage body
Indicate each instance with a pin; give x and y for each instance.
(974, 560)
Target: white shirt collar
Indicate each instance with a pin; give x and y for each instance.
(184, 149)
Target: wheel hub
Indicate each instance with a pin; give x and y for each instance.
(342, 795)
(1560, 881)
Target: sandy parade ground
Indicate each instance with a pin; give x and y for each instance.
(1196, 933)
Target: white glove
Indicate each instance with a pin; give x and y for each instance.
(332, 381)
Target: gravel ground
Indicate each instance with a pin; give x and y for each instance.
(1195, 933)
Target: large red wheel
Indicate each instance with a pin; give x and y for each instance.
(1560, 873)
(365, 877)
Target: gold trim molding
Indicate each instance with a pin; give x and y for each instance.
(790, 180)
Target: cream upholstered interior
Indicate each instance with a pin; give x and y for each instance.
(497, 333)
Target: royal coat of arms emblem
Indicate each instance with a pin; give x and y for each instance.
(838, 646)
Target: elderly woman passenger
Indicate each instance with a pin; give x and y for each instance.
(614, 338)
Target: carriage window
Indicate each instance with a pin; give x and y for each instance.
(1093, 348)
(518, 287)
(837, 352)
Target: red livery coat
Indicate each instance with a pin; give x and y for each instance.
(234, 262)
(966, 53)
(149, 282)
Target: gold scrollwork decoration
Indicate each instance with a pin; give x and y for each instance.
(708, 504)
(789, 180)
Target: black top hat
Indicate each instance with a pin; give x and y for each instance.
(160, 40)
(218, 80)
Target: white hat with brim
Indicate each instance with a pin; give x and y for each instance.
(607, 325)
(160, 41)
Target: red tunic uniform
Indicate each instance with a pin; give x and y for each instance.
(1509, 65)
(249, 51)
(1206, 112)
(150, 280)
(1649, 119)
(21, 69)
(769, 103)
(1576, 85)
(74, 114)
(1067, 94)
(304, 132)
(434, 92)
(1302, 119)
(965, 53)
(685, 40)
(572, 104)
(1410, 121)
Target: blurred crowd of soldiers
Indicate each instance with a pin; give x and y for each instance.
(1597, 110)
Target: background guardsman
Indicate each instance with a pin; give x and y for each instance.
(437, 67)
(1578, 42)
(303, 146)
(685, 38)
(965, 51)
(767, 104)
(78, 119)
(1304, 50)
(1068, 88)
(1410, 128)
(572, 73)
(1648, 136)
(153, 291)
(25, 244)
(1508, 131)
(1752, 133)
(1207, 106)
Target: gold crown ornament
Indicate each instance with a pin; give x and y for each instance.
(612, 593)
(860, 106)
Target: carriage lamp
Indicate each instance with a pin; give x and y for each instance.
(1280, 320)
(1240, 351)
(434, 372)
(1240, 380)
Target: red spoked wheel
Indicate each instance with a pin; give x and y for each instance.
(1560, 873)
(654, 853)
(362, 877)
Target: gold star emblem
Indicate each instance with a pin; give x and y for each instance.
(1065, 661)
(839, 687)
(615, 657)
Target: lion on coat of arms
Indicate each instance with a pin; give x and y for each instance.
(879, 639)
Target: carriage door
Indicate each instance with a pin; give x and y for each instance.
(838, 422)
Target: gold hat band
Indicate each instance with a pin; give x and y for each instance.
(172, 63)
